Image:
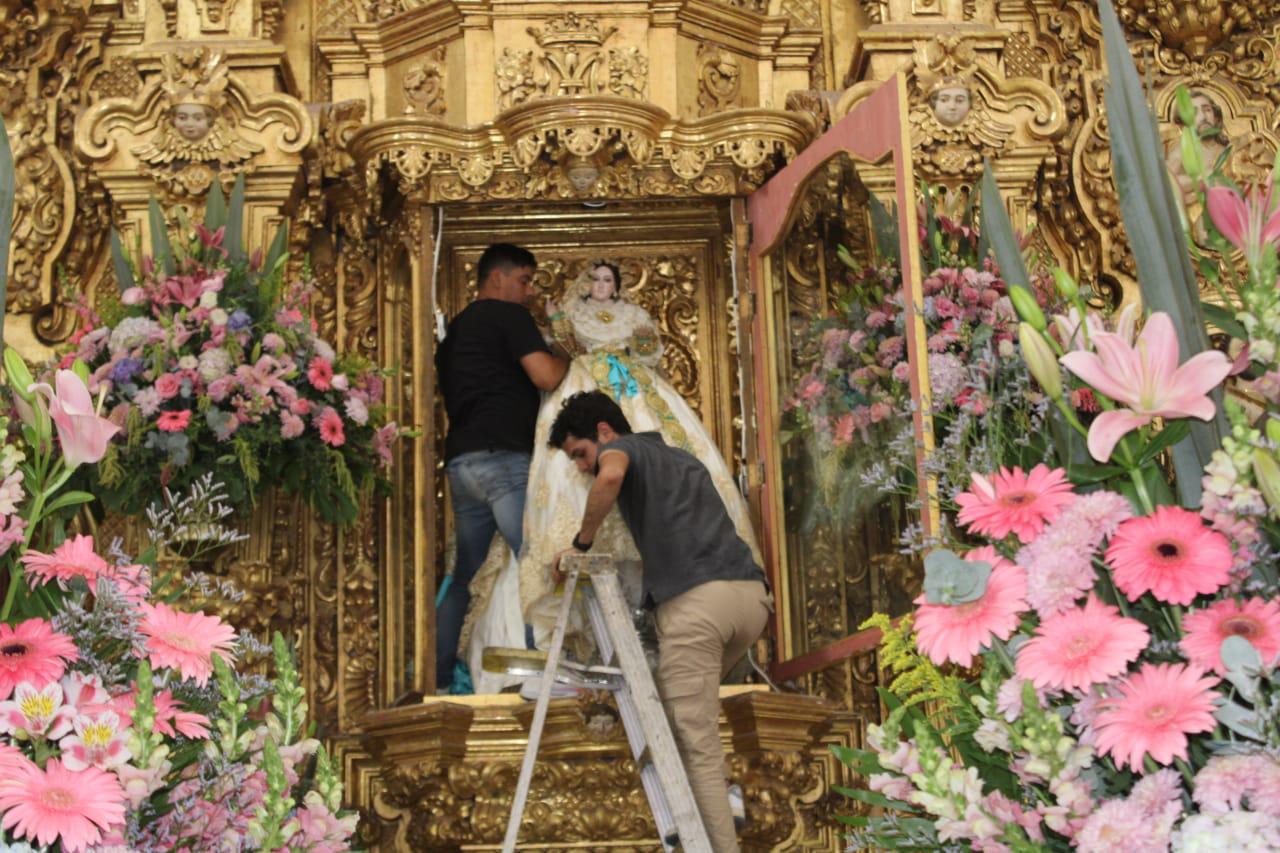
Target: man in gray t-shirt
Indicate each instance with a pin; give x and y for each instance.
(710, 597)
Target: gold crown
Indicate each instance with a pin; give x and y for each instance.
(570, 29)
(195, 76)
(949, 81)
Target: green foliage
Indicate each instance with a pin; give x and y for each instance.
(916, 679)
(8, 189)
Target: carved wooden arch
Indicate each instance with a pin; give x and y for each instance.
(876, 131)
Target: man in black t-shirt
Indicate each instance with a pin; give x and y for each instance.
(492, 365)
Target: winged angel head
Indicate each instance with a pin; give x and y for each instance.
(195, 125)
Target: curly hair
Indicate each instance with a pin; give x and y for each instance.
(580, 415)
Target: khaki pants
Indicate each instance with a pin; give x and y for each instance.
(702, 633)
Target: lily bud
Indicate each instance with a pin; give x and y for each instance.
(1066, 285)
(1024, 302)
(79, 368)
(1267, 473)
(19, 376)
(1040, 360)
(1273, 430)
(1192, 155)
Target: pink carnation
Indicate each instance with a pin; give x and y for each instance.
(958, 632)
(1060, 560)
(1226, 782)
(291, 426)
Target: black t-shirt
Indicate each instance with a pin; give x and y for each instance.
(492, 403)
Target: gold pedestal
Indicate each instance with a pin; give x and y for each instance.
(441, 775)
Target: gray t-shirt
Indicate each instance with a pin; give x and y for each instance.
(678, 520)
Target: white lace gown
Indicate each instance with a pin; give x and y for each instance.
(557, 492)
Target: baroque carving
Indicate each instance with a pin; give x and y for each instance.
(1194, 26)
(572, 58)
(514, 75)
(193, 123)
(424, 86)
(628, 72)
(719, 78)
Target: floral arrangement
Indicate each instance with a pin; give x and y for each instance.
(122, 724)
(1094, 666)
(854, 405)
(211, 364)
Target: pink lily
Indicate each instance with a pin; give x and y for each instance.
(83, 434)
(1147, 379)
(1249, 225)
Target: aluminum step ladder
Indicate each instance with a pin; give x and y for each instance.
(626, 673)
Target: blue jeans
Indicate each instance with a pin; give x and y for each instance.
(488, 488)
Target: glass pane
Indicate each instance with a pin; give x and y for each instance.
(842, 376)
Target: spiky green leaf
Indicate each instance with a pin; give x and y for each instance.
(160, 248)
(233, 242)
(215, 208)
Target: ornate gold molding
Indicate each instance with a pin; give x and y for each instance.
(646, 151)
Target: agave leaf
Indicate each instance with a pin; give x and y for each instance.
(233, 242)
(215, 208)
(8, 181)
(120, 263)
(276, 250)
(160, 248)
(1148, 207)
(997, 231)
(930, 226)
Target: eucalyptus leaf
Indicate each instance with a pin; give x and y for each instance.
(1244, 665)
(950, 580)
(1239, 719)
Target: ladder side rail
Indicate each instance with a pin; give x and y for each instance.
(539, 716)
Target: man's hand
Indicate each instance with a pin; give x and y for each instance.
(557, 576)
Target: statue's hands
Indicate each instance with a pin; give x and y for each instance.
(552, 307)
(645, 332)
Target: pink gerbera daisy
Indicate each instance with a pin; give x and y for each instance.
(184, 641)
(171, 721)
(1256, 620)
(1156, 709)
(329, 422)
(1170, 554)
(32, 652)
(73, 558)
(958, 632)
(1081, 647)
(1014, 502)
(57, 804)
(174, 421)
(320, 373)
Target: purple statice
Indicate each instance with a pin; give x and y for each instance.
(125, 369)
(239, 320)
(1059, 562)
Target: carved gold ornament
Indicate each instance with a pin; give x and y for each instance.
(719, 78)
(424, 86)
(193, 122)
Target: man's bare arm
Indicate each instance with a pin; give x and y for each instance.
(545, 369)
(604, 491)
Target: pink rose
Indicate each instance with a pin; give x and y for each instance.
(880, 411)
(168, 386)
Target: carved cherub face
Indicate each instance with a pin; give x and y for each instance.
(951, 105)
(603, 284)
(582, 174)
(192, 121)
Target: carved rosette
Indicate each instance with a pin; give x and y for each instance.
(640, 150)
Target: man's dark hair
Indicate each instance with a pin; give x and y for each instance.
(503, 256)
(582, 412)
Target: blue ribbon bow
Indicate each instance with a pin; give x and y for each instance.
(624, 384)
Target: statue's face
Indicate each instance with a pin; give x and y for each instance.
(1206, 113)
(582, 175)
(191, 121)
(603, 286)
(951, 105)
